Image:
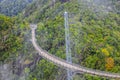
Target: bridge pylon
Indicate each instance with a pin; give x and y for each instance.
(68, 47)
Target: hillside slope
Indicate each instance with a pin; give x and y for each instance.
(94, 34)
(13, 7)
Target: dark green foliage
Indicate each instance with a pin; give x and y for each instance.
(45, 70)
(13, 7)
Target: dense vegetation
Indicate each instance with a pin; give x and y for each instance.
(9, 40)
(94, 37)
(13, 7)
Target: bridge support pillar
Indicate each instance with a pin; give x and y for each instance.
(68, 48)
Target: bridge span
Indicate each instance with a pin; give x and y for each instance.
(60, 62)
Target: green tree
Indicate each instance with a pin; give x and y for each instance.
(9, 42)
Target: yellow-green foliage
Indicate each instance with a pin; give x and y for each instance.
(105, 52)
